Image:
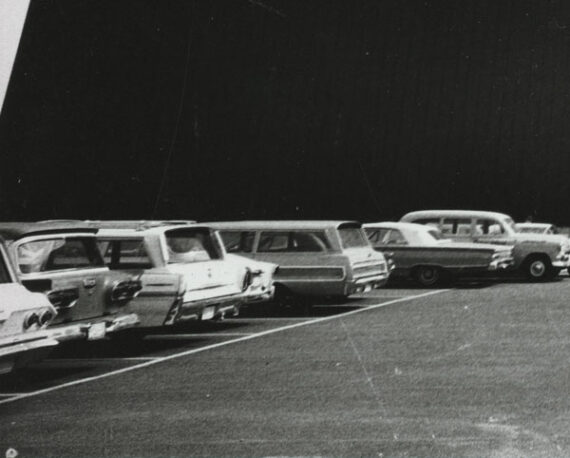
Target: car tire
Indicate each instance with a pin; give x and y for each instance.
(428, 275)
(538, 268)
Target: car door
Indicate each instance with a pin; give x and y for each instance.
(160, 288)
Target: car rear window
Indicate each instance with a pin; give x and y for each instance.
(57, 254)
(353, 238)
(191, 245)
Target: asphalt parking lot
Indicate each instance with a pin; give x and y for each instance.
(477, 369)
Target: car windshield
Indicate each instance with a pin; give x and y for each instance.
(508, 221)
(57, 254)
(191, 245)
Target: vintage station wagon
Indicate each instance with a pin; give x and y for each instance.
(62, 261)
(185, 271)
(315, 258)
(537, 256)
(428, 260)
(24, 317)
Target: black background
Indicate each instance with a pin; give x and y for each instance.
(288, 109)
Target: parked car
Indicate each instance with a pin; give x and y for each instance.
(537, 228)
(418, 254)
(538, 256)
(185, 271)
(62, 261)
(24, 317)
(315, 258)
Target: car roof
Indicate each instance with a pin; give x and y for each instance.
(397, 225)
(17, 230)
(285, 224)
(137, 224)
(139, 231)
(454, 213)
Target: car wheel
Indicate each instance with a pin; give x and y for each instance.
(427, 275)
(538, 268)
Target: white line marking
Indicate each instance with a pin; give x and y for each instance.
(270, 318)
(11, 394)
(216, 345)
(193, 336)
(86, 359)
(369, 380)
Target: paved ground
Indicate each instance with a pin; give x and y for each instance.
(480, 370)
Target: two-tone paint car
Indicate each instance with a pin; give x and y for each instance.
(24, 317)
(419, 255)
(537, 256)
(315, 258)
(62, 261)
(185, 272)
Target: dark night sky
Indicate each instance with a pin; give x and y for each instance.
(236, 109)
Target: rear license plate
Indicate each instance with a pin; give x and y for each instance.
(208, 313)
(97, 331)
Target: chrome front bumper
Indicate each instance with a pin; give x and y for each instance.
(501, 264)
(562, 263)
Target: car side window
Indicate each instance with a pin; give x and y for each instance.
(273, 242)
(133, 255)
(238, 241)
(485, 226)
(376, 236)
(125, 254)
(395, 237)
(297, 241)
(456, 226)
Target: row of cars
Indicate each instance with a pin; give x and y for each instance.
(68, 280)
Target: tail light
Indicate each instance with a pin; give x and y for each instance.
(247, 279)
(30, 320)
(124, 291)
(63, 299)
(45, 317)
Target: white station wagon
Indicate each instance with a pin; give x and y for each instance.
(185, 272)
